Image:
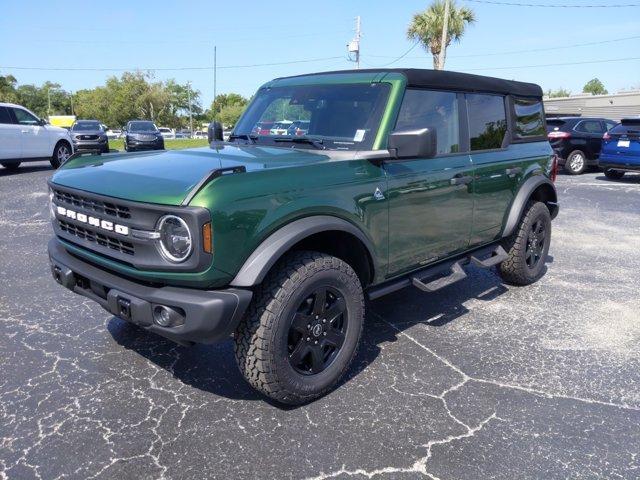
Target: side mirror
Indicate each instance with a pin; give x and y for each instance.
(42, 122)
(214, 132)
(419, 143)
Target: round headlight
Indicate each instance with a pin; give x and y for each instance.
(175, 238)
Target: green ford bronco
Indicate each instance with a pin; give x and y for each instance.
(370, 181)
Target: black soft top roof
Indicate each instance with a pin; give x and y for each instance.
(418, 77)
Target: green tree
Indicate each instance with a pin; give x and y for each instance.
(8, 91)
(227, 108)
(560, 92)
(426, 27)
(594, 87)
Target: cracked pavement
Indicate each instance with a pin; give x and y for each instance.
(479, 380)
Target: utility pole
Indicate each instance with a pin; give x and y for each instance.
(215, 71)
(190, 115)
(443, 40)
(354, 45)
(48, 101)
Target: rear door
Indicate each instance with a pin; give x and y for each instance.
(36, 141)
(10, 136)
(497, 167)
(592, 130)
(430, 199)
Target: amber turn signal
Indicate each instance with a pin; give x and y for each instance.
(207, 237)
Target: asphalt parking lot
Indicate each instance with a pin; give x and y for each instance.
(476, 381)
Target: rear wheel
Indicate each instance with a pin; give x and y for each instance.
(302, 328)
(576, 162)
(61, 154)
(613, 174)
(12, 167)
(528, 246)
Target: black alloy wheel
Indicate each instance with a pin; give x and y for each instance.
(317, 331)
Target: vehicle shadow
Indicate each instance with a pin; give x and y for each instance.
(5, 172)
(212, 368)
(629, 178)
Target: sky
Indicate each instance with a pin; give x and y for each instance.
(129, 35)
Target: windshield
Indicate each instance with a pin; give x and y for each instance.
(142, 127)
(86, 127)
(342, 117)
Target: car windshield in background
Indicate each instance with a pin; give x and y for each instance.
(142, 127)
(86, 127)
(340, 117)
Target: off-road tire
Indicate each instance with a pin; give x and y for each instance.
(575, 171)
(261, 337)
(613, 174)
(515, 270)
(12, 167)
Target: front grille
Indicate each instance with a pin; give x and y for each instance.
(88, 137)
(99, 238)
(97, 206)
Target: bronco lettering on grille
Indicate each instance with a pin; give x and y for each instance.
(93, 221)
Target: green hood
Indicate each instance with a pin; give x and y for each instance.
(167, 177)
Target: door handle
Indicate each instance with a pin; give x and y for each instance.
(513, 171)
(25, 131)
(461, 180)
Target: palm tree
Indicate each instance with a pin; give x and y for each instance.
(427, 28)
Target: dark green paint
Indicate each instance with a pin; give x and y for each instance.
(423, 217)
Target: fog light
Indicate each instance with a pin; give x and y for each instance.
(167, 316)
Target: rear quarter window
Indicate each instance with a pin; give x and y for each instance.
(529, 117)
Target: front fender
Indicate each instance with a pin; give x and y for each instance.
(273, 247)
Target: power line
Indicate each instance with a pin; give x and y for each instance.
(555, 64)
(80, 69)
(396, 60)
(516, 4)
(531, 50)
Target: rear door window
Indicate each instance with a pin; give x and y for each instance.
(434, 110)
(589, 126)
(5, 116)
(487, 121)
(529, 117)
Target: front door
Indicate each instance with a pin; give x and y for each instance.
(35, 137)
(430, 199)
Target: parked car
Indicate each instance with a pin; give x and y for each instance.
(142, 135)
(405, 181)
(621, 149)
(167, 133)
(262, 128)
(577, 141)
(113, 134)
(199, 134)
(298, 127)
(280, 128)
(24, 138)
(183, 134)
(89, 135)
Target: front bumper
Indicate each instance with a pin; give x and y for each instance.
(89, 145)
(133, 144)
(209, 315)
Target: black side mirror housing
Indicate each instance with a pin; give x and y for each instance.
(214, 132)
(420, 143)
(42, 122)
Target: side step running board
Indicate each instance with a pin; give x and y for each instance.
(457, 273)
(498, 256)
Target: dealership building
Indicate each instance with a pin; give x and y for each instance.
(619, 105)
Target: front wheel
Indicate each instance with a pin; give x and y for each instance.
(528, 246)
(61, 154)
(576, 163)
(302, 328)
(613, 174)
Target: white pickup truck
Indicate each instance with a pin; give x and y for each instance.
(24, 137)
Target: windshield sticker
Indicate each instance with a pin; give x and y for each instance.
(359, 136)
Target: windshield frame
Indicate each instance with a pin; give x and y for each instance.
(380, 110)
(84, 126)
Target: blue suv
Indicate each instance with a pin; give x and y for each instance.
(621, 149)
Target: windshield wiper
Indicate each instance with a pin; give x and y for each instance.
(249, 137)
(311, 141)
